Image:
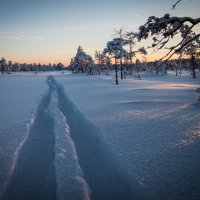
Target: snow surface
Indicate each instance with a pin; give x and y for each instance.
(18, 100)
(71, 136)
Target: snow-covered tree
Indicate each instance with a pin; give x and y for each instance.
(192, 49)
(120, 34)
(60, 66)
(3, 65)
(9, 67)
(104, 61)
(129, 39)
(16, 67)
(97, 56)
(177, 64)
(81, 60)
(91, 67)
(116, 49)
(163, 29)
(70, 66)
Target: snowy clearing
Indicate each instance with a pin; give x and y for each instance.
(71, 136)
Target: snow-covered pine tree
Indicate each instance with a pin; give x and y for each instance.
(81, 60)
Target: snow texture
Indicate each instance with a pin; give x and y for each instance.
(67, 136)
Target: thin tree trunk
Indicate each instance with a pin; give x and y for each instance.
(116, 75)
(193, 66)
(176, 70)
(99, 64)
(121, 67)
(131, 58)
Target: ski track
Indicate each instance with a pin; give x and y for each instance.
(65, 157)
(69, 175)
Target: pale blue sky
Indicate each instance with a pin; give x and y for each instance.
(51, 30)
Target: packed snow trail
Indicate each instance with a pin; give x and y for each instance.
(69, 175)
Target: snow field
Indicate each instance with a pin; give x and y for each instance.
(91, 139)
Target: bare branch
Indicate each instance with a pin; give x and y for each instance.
(188, 41)
(174, 6)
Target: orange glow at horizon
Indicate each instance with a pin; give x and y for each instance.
(42, 59)
(46, 59)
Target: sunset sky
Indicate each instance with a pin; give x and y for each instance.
(51, 30)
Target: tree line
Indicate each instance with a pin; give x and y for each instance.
(9, 66)
(120, 51)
